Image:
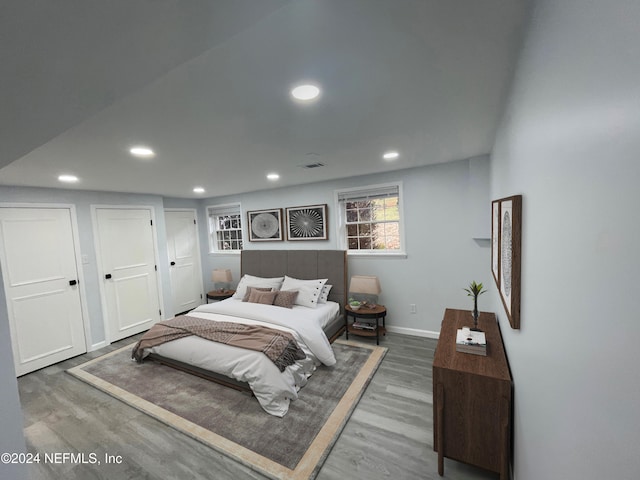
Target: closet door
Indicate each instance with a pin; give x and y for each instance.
(40, 274)
(184, 260)
(126, 253)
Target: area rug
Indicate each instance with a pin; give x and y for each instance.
(232, 422)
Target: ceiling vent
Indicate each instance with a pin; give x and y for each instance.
(312, 165)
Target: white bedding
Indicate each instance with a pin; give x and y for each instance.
(273, 389)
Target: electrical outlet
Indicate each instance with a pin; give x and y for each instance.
(412, 308)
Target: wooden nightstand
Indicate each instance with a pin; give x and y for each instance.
(366, 313)
(219, 295)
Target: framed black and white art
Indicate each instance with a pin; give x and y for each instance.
(307, 223)
(265, 225)
(506, 235)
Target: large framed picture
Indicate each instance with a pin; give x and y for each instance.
(506, 238)
(265, 225)
(495, 241)
(307, 223)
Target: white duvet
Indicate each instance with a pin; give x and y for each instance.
(272, 388)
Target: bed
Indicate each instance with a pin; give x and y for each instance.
(312, 327)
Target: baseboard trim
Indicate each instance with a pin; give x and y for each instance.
(98, 345)
(414, 332)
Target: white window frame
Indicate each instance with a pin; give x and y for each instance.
(341, 225)
(233, 209)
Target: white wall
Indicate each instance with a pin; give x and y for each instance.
(442, 257)
(569, 144)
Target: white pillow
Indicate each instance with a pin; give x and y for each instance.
(308, 290)
(324, 296)
(251, 281)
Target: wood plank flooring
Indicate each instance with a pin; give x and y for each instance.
(389, 435)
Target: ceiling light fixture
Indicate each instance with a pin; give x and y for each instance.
(390, 155)
(198, 190)
(68, 178)
(305, 92)
(273, 176)
(142, 152)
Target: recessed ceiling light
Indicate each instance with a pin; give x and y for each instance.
(305, 92)
(390, 155)
(198, 190)
(142, 152)
(273, 176)
(68, 178)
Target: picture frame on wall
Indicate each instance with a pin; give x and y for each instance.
(495, 241)
(307, 223)
(265, 225)
(507, 251)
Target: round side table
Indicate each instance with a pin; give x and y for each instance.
(219, 295)
(377, 313)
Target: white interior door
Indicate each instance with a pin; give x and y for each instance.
(184, 260)
(126, 251)
(40, 274)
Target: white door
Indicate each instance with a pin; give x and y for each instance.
(126, 252)
(184, 260)
(40, 274)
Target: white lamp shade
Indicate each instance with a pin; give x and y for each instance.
(368, 284)
(221, 275)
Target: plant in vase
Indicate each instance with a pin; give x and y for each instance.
(475, 290)
(354, 304)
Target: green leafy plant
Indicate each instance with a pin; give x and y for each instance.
(354, 303)
(474, 290)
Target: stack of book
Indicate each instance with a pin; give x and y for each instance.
(364, 326)
(471, 342)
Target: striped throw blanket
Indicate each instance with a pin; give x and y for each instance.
(280, 347)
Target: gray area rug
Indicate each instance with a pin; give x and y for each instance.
(293, 447)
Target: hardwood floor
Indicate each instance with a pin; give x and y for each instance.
(389, 435)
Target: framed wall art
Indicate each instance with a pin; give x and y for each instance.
(506, 237)
(495, 241)
(307, 223)
(265, 225)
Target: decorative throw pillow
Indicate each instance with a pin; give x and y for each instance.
(286, 298)
(251, 289)
(265, 298)
(324, 295)
(308, 290)
(249, 280)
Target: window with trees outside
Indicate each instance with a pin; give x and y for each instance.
(225, 228)
(370, 219)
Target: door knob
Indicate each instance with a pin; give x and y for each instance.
(73, 282)
(173, 263)
(107, 276)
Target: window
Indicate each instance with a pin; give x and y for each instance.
(225, 228)
(370, 219)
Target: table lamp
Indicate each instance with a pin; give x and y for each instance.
(368, 288)
(222, 275)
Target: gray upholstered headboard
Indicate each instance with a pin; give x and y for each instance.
(302, 264)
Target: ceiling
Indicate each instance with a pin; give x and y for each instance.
(206, 84)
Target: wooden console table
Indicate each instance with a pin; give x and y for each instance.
(472, 398)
